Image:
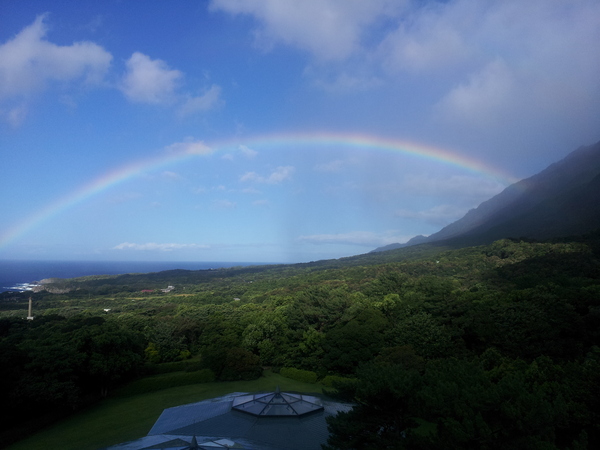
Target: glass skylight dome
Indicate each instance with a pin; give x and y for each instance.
(277, 404)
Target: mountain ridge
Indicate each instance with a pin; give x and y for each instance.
(560, 200)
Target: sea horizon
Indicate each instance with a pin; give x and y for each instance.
(17, 272)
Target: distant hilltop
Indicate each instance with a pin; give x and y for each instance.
(561, 200)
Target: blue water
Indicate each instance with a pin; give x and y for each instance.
(13, 273)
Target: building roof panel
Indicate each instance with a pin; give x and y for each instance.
(277, 421)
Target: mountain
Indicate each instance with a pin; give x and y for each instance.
(562, 200)
(420, 239)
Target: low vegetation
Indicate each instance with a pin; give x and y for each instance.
(481, 347)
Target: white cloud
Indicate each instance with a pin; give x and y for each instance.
(428, 38)
(224, 204)
(332, 166)
(247, 152)
(149, 81)
(438, 215)
(16, 116)
(28, 61)
(485, 99)
(170, 175)
(152, 246)
(252, 176)
(526, 69)
(502, 71)
(208, 100)
(154, 82)
(190, 147)
(364, 238)
(280, 174)
(329, 29)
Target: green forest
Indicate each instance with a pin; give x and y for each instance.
(488, 347)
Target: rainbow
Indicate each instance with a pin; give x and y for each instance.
(179, 152)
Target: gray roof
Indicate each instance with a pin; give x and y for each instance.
(266, 421)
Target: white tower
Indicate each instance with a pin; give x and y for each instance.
(29, 315)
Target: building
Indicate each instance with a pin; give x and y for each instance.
(264, 421)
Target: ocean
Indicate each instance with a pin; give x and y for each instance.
(14, 275)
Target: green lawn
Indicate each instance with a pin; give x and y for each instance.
(122, 419)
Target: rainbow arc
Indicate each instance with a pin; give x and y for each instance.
(183, 151)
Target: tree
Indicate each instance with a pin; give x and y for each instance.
(111, 354)
(240, 364)
(50, 376)
(268, 337)
(166, 341)
(359, 340)
(383, 410)
(457, 404)
(423, 333)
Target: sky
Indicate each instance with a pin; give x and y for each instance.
(278, 130)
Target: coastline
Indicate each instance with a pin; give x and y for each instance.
(21, 275)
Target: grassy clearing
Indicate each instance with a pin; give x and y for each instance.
(164, 381)
(121, 419)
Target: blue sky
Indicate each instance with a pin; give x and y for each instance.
(196, 130)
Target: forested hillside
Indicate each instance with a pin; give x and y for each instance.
(483, 347)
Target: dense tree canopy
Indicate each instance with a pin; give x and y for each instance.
(481, 347)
